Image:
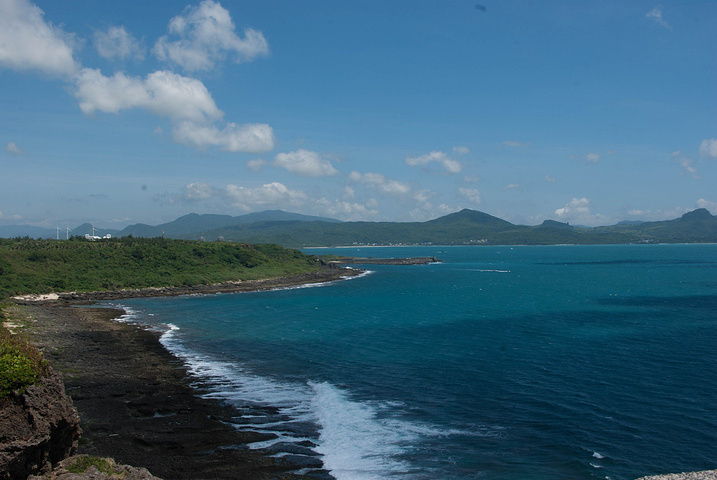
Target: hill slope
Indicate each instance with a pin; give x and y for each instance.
(42, 266)
(193, 223)
(468, 227)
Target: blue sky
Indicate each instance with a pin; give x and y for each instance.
(589, 112)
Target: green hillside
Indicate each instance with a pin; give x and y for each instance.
(193, 223)
(43, 266)
(468, 227)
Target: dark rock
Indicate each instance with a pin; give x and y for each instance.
(37, 429)
(303, 461)
(288, 447)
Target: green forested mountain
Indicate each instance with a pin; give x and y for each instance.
(193, 223)
(468, 227)
(185, 225)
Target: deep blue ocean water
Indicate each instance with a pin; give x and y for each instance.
(506, 363)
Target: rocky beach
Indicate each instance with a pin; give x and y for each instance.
(135, 399)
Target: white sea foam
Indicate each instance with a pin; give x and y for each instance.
(168, 334)
(320, 284)
(130, 315)
(355, 442)
(358, 440)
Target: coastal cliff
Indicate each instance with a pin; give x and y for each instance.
(39, 435)
(38, 429)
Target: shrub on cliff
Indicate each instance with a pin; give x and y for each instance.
(21, 365)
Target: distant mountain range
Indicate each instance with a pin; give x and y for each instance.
(467, 227)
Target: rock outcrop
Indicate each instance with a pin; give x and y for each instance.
(108, 470)
(37, 429)
(703, 475)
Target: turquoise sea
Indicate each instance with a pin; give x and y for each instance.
(506, 363)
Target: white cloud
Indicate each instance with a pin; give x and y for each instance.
(424, 197)
(592, 157)
(10, 217)
(14, 149)
(711, 206)
(118, 43)
(110, 94)
(471, 194)
(381, 183)
(204, 35)
(656, 16)
(451, 166)
(688, 167)
(306, 163)
(511, 186)
(655, 215)
(27, 42)
(273, 194)
(445, 209)
(184, 100)
(577, 207)
(708, 148)
(256, 164)
(162, 92)
(197, 191)
(550, 179)
(578, 211)
(251, 138)
(514, 144)
(345, 210)
(270, 194)
(461, 150)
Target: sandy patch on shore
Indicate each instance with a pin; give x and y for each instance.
(37, 297)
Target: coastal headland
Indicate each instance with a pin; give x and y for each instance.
(384, 261)
(321, 276)
(135, 399)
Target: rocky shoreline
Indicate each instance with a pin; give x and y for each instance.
(704, 475)
(134, 398)
(320, 276)
(136, 403)
(385, 261)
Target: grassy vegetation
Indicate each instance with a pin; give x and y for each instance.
(21, 365)
(104, 465)
(45, 266)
